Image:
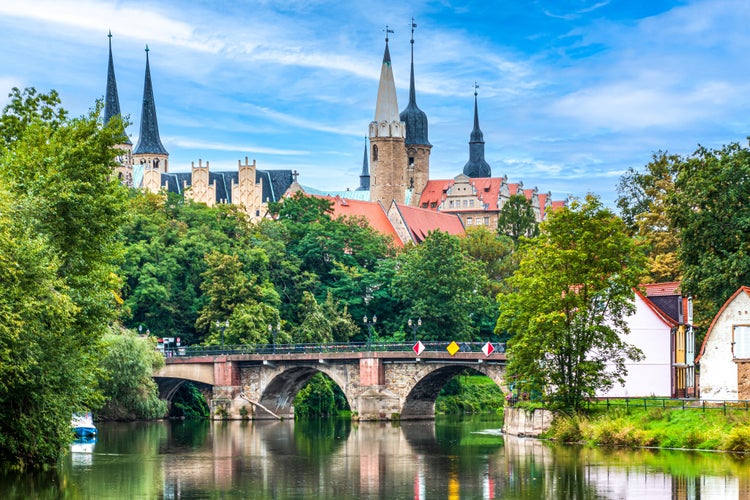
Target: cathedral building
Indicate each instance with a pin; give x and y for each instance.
(147, 165)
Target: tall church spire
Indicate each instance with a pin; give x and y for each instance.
(476, 166)
(386, 108)
(111, 97)
(364, 177)
(387, 132)
(148, 140)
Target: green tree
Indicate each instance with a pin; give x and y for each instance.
(244, 298)
(517, 218)
(567, 310)
(324, 323)
(127, 382)
(57, 174)
(438, 282)
(710, 209)
(643, 200)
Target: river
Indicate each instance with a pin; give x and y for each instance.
(449, 458)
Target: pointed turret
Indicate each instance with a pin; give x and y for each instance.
(387, 132)
(476, 166)
(364, 177)
(111, 97)
(149, 150)
(414, 118)
(418, 146)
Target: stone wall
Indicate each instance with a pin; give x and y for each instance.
(520, 422)
(743, 379)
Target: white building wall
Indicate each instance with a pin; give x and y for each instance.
(718, 370)
(652, 376)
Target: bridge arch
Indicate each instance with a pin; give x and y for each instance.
(278, 395)
(419, 403)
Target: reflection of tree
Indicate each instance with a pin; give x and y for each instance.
(318, 438)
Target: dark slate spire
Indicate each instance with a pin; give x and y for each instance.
(364, 177)
(111, 98)
(476, 166)
(415, 118)
(148, 140)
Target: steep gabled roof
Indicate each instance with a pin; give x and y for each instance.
(661, 314)
(420, 221)
(740, 290)
(434, 192)
(370, 210)
(111, 97)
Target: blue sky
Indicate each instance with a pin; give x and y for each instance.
(571, 92)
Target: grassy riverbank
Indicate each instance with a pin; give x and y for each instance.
(659, 428)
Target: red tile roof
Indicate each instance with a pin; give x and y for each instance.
(373, 212)
(434, 192)
(420, 222)
(662, 289)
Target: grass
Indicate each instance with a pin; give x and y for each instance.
(658, 428)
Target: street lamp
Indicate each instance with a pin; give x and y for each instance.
(274, 333)
(223, 327)
(370, 325)
(414, 327)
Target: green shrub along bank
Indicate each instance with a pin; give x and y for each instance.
(658, 428)
(470, 394)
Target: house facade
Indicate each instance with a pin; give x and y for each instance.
(725, 353)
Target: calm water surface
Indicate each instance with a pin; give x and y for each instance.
(339, 459)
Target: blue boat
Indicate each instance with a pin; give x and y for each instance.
(83, 425)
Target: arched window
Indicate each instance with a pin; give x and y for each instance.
(374, 152)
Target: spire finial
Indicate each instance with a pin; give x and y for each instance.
(110, 35)
(387, 30)
(476, 87)
(413, 25)
(146, 50)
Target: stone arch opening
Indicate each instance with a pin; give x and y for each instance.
(278, 396)
(420, 402)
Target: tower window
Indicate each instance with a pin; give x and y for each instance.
(374, 152)
(411, 162)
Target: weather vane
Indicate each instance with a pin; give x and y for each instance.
(387, 30)
(413, 25)
(476, 86)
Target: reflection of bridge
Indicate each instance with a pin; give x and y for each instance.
(380, 381)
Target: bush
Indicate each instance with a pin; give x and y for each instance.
(738, 440)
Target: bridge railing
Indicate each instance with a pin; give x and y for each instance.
(214, 350)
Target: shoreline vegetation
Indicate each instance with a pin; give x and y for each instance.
(710, 429)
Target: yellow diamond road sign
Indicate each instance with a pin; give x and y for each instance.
(453, 348)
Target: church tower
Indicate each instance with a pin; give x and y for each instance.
(124, 168)
(418, 146)
(149, 151)
(387, 135)
(364, 177)
(476, 166)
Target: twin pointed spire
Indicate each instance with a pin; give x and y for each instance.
(111, 97)
(476, 166)
(148, 140)
(414, 118)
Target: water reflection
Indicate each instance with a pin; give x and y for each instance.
(341, 459)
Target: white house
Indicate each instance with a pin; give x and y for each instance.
(725, 354)
(660, 328)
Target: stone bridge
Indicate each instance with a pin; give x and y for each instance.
(377, 385)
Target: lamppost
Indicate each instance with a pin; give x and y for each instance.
(223, 327)
(414, 327)
(370, 325)
(274, 333)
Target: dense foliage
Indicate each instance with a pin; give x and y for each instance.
(568, 306)
(61, 209)
(128, 385)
